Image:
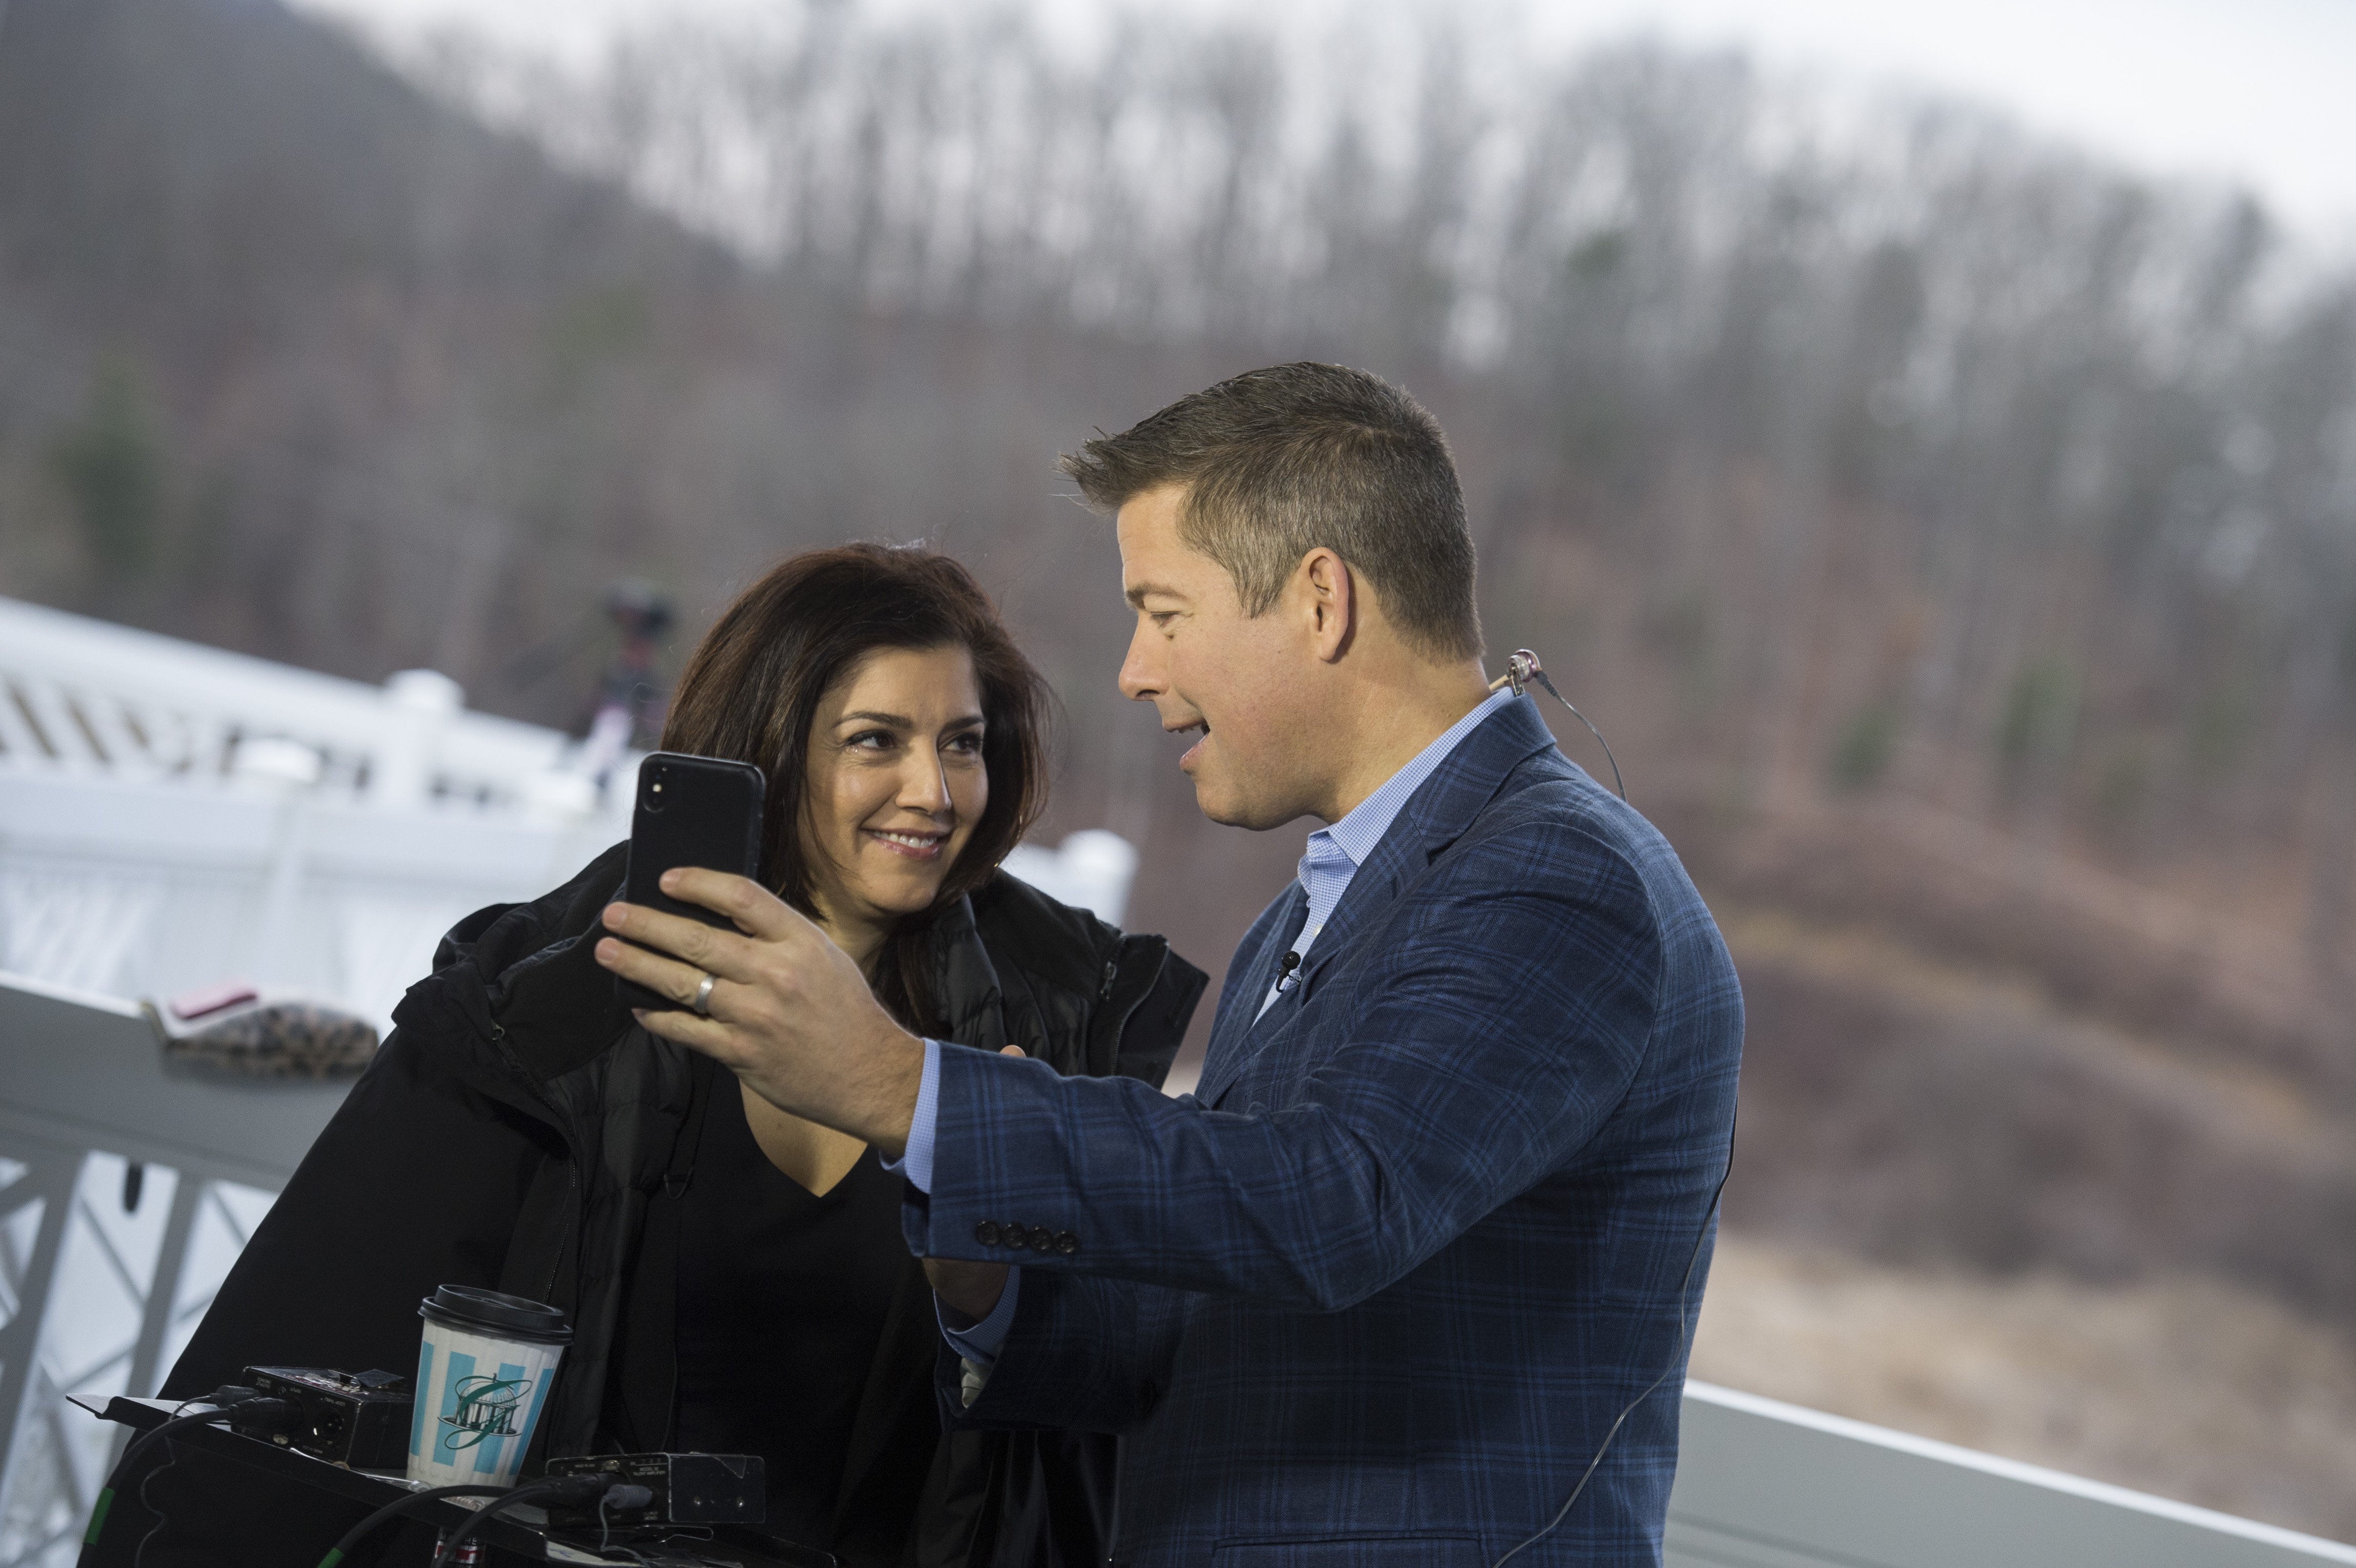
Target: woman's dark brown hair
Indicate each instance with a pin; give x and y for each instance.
(751, 694)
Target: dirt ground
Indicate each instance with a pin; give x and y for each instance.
(2185, 1387)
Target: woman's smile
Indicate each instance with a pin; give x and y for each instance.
(916, 844)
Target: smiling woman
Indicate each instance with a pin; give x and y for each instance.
(736, 1276)
(892, 712)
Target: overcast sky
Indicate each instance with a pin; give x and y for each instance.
(2258, 90)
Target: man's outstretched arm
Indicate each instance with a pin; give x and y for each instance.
(1510, 1015)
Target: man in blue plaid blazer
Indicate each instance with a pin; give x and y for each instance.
(1410, 1278)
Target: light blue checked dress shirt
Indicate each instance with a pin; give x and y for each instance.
(1332, 860)
(1336, 853)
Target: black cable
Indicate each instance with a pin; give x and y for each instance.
(359, 1531)
(222, 1401)
(106, 1498)
(1540, 677)
(225, 1396)
(457, 1538)
(605, 1547)
(139, 1552)
(581, 1489)
(1684, 1343)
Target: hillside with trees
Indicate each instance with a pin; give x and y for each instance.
(1956, 536)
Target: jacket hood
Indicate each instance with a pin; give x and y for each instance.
(524, 977)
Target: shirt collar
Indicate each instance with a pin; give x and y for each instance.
(1357, 834)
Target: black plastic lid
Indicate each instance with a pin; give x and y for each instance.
(484, 1311)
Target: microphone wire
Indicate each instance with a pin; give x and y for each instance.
(1684, 1342)
(1524, 666)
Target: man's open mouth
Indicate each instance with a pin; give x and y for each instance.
(1203, 725)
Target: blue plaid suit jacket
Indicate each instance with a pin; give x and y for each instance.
(1375, 1293)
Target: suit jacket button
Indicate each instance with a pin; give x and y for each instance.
(1148, 1396)
(1042, 1239)
(1014, 1235)
(987, 1233)
(1066, 1243)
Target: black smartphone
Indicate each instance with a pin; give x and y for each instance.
(691, 811)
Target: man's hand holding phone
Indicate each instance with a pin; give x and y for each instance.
(789, 1011)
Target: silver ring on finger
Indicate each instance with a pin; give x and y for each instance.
(703, 996)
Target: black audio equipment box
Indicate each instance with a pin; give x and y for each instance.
(358, 1420)
(689, 1488)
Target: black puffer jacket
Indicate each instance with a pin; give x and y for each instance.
(519, 1130)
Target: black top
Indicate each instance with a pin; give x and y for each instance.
(782, 1297)
(541, 1128)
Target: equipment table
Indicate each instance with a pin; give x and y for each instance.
(234, 1466)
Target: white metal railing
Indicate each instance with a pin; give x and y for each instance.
(125, 1194)
(86, 697)
(173, 816)
(1762, 1483)
(134, 888)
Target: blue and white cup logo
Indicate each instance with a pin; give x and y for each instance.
(485, 1407)
(479, 1397)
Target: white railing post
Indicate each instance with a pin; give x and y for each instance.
(422, 704)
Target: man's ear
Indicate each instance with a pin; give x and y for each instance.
(1329, 602)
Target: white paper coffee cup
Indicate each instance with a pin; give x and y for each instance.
(483, 1373)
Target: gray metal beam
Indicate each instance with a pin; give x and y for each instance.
(164, 1289)
(52, 1176)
